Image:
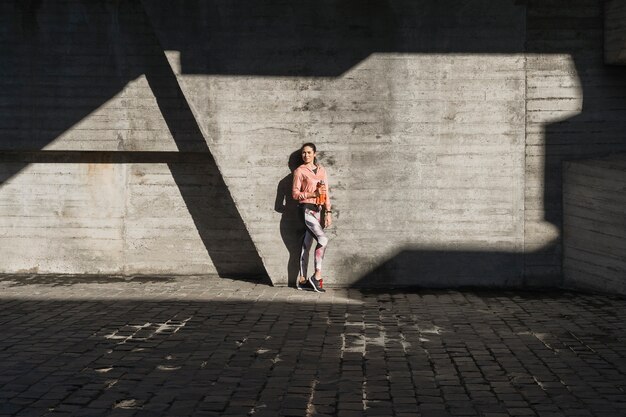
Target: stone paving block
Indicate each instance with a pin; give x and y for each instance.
(521, 411)
(462, 411)
(324, 409)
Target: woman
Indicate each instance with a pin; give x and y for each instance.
(306, 191)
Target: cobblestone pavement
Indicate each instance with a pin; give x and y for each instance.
(203, 346)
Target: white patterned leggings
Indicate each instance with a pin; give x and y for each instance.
(314, 231)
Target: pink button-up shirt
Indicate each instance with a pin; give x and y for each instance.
(305, 182)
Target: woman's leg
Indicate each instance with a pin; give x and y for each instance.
(304, 253)
(312, 221)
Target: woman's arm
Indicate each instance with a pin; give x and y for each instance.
(328, 221)
(327, 205)
(296, 190)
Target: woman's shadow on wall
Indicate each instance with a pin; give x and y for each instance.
(291, 224)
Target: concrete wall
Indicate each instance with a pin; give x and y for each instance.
(442, 124)
(576, 108)
(615, 32)
(594, 224)
(425, 150)
(104, 168)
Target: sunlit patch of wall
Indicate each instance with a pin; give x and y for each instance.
(422, 149)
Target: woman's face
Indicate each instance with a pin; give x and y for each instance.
(308, 155)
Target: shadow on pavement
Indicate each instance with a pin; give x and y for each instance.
(432, 352)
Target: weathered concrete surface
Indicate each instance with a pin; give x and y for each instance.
(120, 218)
(615, 32)
(104, 168)
(443, 126)
(425, 151)
(76, 346)
(400, 169)
(594, 224)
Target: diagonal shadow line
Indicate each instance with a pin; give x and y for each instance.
(202, 186)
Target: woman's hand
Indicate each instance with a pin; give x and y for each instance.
(328, 220)
(318, 191)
